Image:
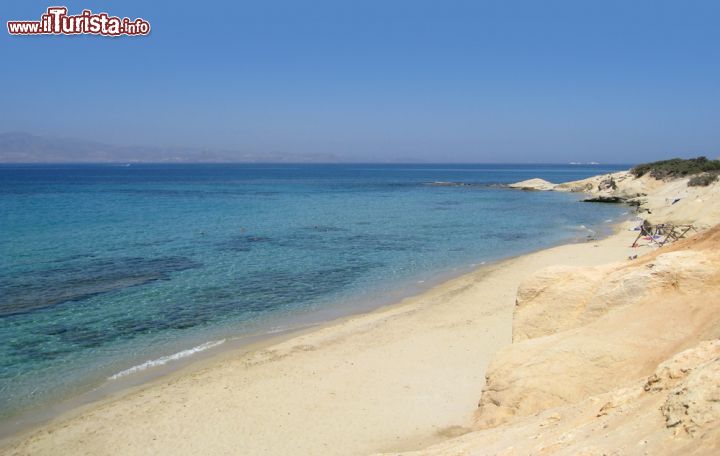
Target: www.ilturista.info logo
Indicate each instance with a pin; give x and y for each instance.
(57, 22)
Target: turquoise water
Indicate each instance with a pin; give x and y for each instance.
(105, 268)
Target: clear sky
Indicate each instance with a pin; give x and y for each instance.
(474, 81)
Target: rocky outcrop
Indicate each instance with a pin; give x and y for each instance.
(659, 201)
(605, 199)
(583, 332)
(533, 184)
(694, 404)
(691, 383)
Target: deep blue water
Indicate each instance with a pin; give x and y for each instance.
(104, 267)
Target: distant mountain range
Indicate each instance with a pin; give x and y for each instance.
(20, 147)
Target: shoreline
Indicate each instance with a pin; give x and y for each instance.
(16, 426)
(404, 308)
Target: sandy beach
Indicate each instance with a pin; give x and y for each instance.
(360, 229)
(398, 378)
(561, 326)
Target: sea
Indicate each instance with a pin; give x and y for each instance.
(111, 271)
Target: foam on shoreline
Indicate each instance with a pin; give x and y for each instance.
(166, 359)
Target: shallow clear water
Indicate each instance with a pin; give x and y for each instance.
(105, 267)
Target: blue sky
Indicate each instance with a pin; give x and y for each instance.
(468, 81)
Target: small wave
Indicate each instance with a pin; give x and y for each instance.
(277, 329)
(582, 228)
(166, 359)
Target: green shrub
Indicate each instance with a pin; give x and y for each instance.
(702, 180)
(676, 167)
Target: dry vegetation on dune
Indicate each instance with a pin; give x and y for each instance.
(704, 179)
(677, 167)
